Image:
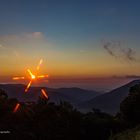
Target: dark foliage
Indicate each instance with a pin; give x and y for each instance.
(130, 107)
(48, 121)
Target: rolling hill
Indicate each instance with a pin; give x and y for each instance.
(72, 95)
(110, 101)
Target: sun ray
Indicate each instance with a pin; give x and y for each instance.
(39, 64)
(16, 108)
(33, 77)
(18, 78)
(44, 93)
(42, 76)
(28, 86)
(29, 71)
(31, 74)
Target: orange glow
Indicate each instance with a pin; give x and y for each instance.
(16, 108)
(44, 93)
(33, 76)
(40, 62)
(18, 78)
(42, 76)
(28, 86)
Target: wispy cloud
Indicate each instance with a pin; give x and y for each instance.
(132, 76)
(129, 54)
(116, 49)
(127, 77)
(28, 35)
(9, 44)
(35, 35)
(20, 44)
(108, 49)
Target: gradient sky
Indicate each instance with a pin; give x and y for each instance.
(75, 38)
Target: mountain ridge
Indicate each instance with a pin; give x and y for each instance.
(109, 102)
(73, 95)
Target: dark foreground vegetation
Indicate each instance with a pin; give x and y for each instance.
(48, 121)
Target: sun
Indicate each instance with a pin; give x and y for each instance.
(32, 76)
(31, 79)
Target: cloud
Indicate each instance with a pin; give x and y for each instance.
(127, 77)
(22, 36)
(108, 49)
(132, 76)
(36, 35)
(20, 44)
(129, 54)
(23, 40)
(115, 49)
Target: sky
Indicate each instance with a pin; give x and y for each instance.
(83, 39)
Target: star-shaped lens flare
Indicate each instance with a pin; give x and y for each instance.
(32, 78)
(16, 108)
(44, 93)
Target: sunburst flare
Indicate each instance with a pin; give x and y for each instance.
(16, 108)
(32, 76)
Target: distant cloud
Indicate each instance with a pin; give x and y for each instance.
(36, 35)
(132, 76)
(129, 54)
(115, 49)
(18, 44)
(127, 77)
(22, 36)
(108, 49)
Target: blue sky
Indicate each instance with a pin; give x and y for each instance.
(97, 39)
(71, 20)
(71, 34)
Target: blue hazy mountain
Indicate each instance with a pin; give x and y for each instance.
(73, 95)
(110, 101)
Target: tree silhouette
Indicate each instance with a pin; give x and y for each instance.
(47, 120)
(3, 94)
(130, 106)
